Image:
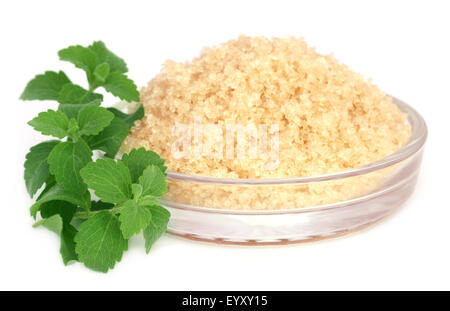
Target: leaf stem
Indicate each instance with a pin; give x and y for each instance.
(38, 223)
(87, 214)
(116, 210)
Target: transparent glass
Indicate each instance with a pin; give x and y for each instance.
(291, 210)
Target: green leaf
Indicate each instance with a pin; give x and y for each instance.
(50, 122)
(75, 94)
(67, 248)
(110, 180)
(66, 160)
(129, 118)
(62, 208)
(148, 200)
(153, 182)
(99, 242)
(104, 55)
(92, 119)
(58, 193)
(73, 98)
(49, 183)
(157, 225)
(53, 223)
(73, 131)
(58, 215)
(137, 160)
(133, 218)
(110, 139)
(100, 206)
(101, 72)
(36, 166)
(136, 189)
(66, 233)
(72, 110)
(80, 56)
(121, 86)
(45, 86)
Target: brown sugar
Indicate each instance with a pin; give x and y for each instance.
(329, 119)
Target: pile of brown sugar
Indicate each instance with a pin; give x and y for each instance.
(329, 117)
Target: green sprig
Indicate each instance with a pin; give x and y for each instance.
(95, 233)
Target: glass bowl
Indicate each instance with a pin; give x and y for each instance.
(301, 208)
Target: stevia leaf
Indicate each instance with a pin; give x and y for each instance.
(110, 139)
(75, 94)
(80, 56)
(153, 182)
(62, 208)
(137, 160)
(157, 226)
(72, 110)
(148, 200)
(104, 55)
(73, 131)
(99, 242)
(92, 119)
(50, 122)
(110, 180)
(58, 193)
(136, 189)
(121, 86)
(66, 160)
(101, 72)
(66, 233)
(49, 183)
(133, 218)
(129, 118)
(67, 248)
(36, 166)
(100, 206)
(53, 223)
(45, 86)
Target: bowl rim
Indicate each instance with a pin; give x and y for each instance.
(419, 133)
(314, 208)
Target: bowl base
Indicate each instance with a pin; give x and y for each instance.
(310, 239)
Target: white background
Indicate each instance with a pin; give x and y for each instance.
(403, 45)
